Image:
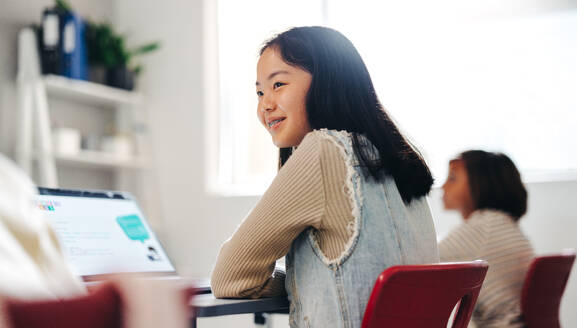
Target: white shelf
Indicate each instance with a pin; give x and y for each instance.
(89, 92)
(97, 159)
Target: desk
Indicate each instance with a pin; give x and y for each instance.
(206, 305)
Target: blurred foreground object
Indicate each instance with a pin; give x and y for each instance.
(126, 302)
(32, 265)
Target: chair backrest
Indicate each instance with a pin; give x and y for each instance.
(543, 288)
(100, 309)
(127, 302)
(425, 295)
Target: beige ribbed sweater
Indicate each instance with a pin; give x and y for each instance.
(496, 238)
(309, 191)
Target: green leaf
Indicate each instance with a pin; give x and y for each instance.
(107, 48)
(146, 48)
(63, 5)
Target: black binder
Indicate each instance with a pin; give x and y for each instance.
(50, 40)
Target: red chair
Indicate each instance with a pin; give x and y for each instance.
(425, 295)
(101, 308)
(544, 286)
(119, 303)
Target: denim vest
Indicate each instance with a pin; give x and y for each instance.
(386, 232)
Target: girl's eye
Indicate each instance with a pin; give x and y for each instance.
(259, 93)
(278, 85)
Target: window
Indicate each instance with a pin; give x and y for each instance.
(454, 75)
(247, 158)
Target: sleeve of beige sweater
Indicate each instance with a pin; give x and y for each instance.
(294, 201)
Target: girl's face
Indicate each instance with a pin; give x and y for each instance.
(457, 194)
(282, 90)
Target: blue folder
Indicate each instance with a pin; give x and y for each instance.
(74, 62)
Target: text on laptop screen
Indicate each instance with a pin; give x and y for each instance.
(104, 235)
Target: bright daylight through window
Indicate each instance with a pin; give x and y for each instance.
(472, 77)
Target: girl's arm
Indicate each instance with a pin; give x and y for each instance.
(294, 201)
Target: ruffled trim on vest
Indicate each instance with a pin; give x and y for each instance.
(338, 137)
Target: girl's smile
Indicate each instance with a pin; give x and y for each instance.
(274, 122)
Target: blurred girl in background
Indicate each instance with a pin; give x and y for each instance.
(486, 189)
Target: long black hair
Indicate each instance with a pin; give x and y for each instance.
(495, 183)
(342, 97)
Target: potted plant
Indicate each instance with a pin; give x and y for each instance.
(111, 61)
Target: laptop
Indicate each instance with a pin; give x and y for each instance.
(104, 232)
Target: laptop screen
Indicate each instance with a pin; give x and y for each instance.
(102, 232)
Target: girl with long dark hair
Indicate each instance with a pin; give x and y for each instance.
(349, 197)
